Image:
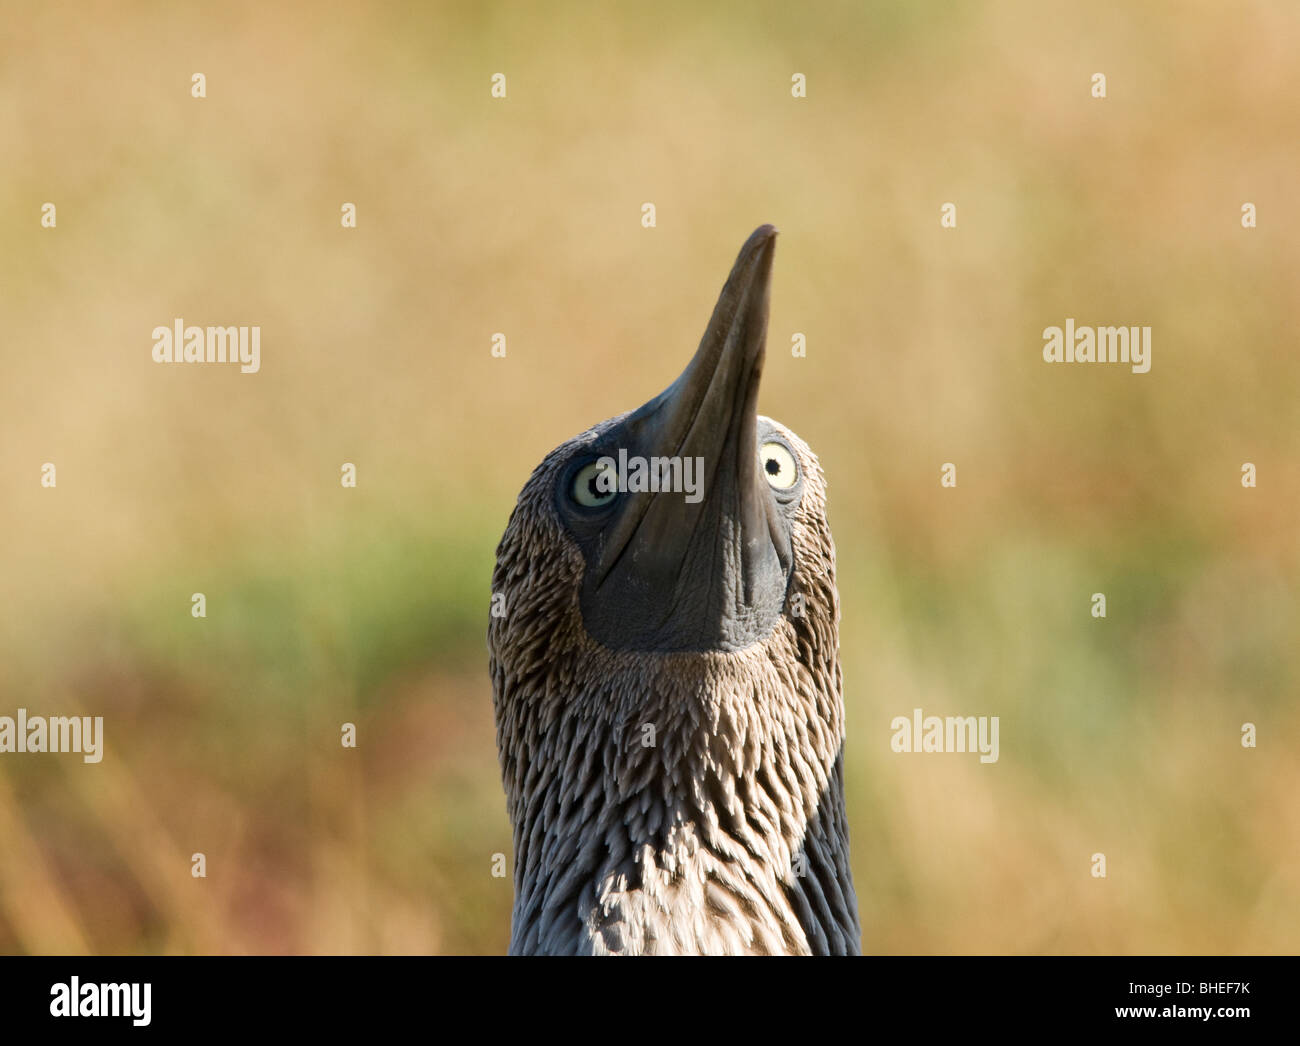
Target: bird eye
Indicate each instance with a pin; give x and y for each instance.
(778, 466)
(595, 484)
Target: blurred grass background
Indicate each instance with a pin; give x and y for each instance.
(328, 605)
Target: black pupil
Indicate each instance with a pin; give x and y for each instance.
(773, 466)
(594, 490)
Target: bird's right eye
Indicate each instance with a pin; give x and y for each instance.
(595, 484)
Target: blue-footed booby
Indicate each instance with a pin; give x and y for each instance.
(666, 674)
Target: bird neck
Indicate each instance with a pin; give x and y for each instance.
(682, 804)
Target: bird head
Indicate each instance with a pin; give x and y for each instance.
(678, 521)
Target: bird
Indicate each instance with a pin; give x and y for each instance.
(666, 679)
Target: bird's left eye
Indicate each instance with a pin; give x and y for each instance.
(778, 466)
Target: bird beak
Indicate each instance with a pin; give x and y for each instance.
(674, 572)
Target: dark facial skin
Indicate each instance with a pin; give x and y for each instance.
(665, 574)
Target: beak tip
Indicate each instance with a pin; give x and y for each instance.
(759, 250)
(754, 262)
